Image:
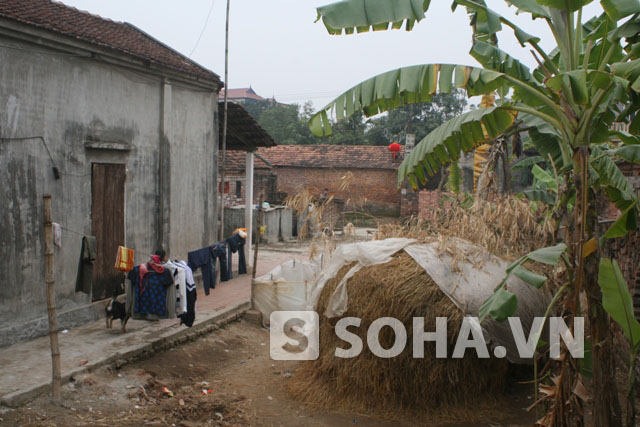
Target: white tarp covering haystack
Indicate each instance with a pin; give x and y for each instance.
(285, 288)
(465, 272)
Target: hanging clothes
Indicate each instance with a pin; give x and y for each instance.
(85, 264)
(57, 234)
(189, 316)
(202, 259)
(235, 244)
(219, 252)
(150, 296)
(124, 259)
(179, 279)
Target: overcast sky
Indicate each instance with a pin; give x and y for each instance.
(277, 49)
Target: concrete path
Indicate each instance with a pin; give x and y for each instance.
(25, 368)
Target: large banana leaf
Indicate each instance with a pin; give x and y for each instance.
(616, 299)
(402, 86)
(502, 303)
(363, 15)
(545, 138)
(612, 179)
(531, 6)
(493, 58)
(618, 9)
(567, 5)
(445, 143)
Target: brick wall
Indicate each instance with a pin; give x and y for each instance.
(625, 250)
(409, 202)
(372, 189)
(263, 183)
(429, 201)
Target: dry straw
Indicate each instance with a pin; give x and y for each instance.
(506, 226)
(400, 385)
(423, 388)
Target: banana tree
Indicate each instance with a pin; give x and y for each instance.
(566, 105)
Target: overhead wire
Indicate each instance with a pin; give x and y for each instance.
(206, 22)
(84, 234)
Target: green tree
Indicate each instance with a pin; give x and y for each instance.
(421, 118)
(283, 123)
(566, 105)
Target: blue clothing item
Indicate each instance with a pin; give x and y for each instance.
(202, 259)
(152, 295)
(235, 244)
(219, 251)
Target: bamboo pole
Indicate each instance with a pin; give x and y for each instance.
(51, 301)
(224, 122)
(255, 252)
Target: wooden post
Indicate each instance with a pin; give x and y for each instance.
(51, 301)
(248, 205)
(258, 225)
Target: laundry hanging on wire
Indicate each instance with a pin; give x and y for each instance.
(204, 258)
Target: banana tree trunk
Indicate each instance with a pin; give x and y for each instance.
(606, 406)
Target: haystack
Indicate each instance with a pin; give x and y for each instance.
(403, 290)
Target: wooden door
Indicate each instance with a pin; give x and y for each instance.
(107, 224)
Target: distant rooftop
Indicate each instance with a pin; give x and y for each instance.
(244, 93)
(123, 37)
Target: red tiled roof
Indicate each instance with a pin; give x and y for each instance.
(236, 161)
(245, 92)
(69, 21)
(332, 156)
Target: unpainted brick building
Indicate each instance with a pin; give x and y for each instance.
(361, 177)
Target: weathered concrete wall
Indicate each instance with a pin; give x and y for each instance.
(193, 201)
(70, 100)
(279, 222)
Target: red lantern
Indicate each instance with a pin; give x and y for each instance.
(395, 149)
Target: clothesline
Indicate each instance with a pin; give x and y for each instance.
(84, 234)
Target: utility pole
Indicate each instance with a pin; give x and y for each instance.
(224, 122)
(49, 281)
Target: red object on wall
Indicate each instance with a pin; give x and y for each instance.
(395, 149)
(226, 187)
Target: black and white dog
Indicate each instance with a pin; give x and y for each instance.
(116, 310)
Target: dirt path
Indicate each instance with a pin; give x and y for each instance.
(247, 388)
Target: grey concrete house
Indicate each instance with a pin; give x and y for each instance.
(121, 130)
